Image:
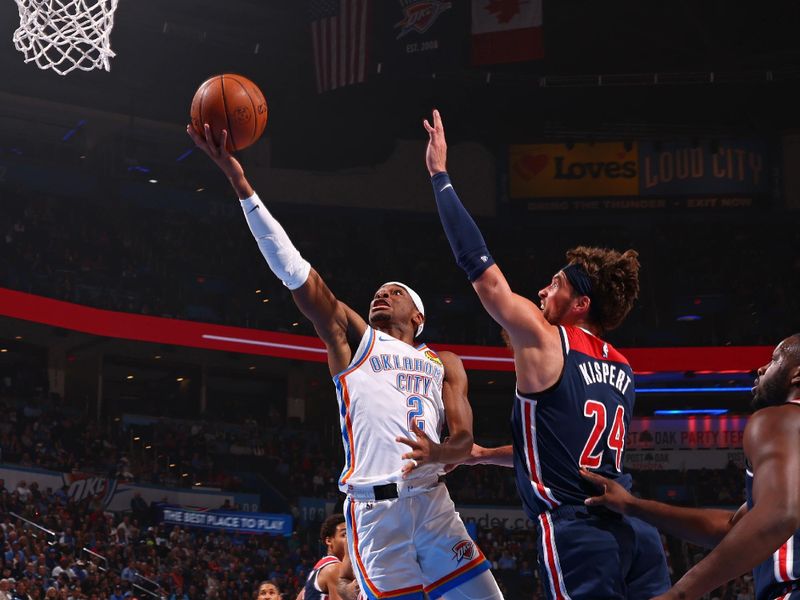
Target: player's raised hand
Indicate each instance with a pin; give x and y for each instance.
(614, 496)
(216, 151)
(436, 154)
(423, 450)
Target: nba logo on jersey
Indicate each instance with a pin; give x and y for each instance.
(464, 549)
(605, 350)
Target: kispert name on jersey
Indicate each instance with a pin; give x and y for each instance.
(388, 386)
(580, 422)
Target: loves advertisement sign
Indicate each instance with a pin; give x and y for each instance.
(706, 174)
(574, 170)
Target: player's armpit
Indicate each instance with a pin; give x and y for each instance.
(337, 325)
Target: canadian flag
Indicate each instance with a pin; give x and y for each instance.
(506, 31)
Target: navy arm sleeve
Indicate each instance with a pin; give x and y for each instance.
(466, 241)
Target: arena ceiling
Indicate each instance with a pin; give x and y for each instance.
(165, 49)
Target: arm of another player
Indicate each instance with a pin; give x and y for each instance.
(328, 580)
(458, 412)
(701, 526)
(347, 585)
(520, 317)
(335, 322)
(772, 443)
(301, 594)
(501, 456)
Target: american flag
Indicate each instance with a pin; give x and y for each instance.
(339, 38)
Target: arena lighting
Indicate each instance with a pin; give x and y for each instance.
(692, 411)
(152, 180)
(692, 390)
(138, 169)
(184, 155)
(688, 318)
(74, 130)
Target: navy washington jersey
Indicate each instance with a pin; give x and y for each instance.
(779, 575)
(312, 591)
(579, 422)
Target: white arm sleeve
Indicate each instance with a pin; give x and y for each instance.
(282, 257)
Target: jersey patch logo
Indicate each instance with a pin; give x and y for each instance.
(464, 549)
(605, 350)
(431, 355)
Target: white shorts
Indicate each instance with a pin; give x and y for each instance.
(405, 545)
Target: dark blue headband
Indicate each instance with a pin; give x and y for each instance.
(579, 279)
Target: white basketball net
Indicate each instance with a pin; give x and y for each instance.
(65, 35)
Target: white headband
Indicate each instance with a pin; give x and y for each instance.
(415, 299)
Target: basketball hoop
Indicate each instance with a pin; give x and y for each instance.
(65, 35)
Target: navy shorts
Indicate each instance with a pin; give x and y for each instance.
(596, 554)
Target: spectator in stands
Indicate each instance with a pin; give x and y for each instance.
(22, 491)
(268, 591)
(5, 588)
(140, 510)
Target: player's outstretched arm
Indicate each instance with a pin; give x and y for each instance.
(501, 456)
(772, 443)
(457, 409)
(701, 526)
(336, 324)
(520, 317)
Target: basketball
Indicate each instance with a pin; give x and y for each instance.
(233, 103)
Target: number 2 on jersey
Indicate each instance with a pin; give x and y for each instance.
(592, 457)
(415, 415)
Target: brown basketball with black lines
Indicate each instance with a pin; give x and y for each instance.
(233, 103)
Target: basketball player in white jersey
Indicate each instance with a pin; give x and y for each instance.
(404, 535)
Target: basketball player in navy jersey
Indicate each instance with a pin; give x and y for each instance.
(764, 534)
(404, 535)
(573, 402)
(323, 580)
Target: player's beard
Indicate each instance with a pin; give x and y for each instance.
(771, 392)
(380, 318)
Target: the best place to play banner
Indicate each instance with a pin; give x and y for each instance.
(644, 169)
(230, 521)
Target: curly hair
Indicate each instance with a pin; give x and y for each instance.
(615, 282)
(329, 526)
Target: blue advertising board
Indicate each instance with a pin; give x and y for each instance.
(230, 521)
(732, 167)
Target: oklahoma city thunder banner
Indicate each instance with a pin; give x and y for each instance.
(420, 36)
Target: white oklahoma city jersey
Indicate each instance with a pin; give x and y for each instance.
(387, 386)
